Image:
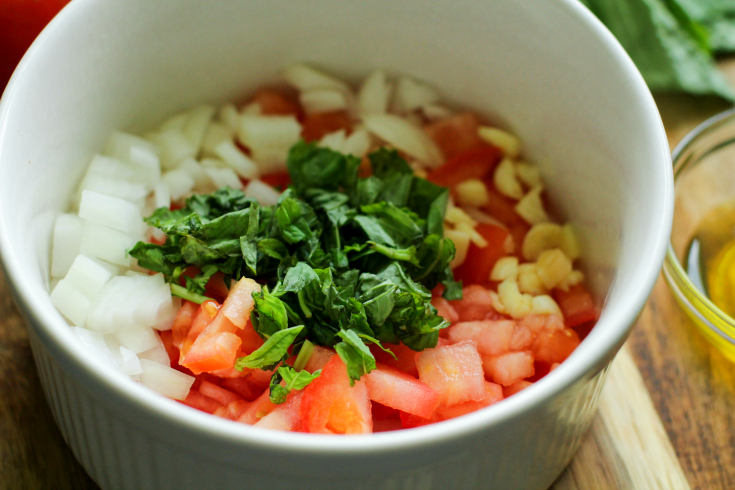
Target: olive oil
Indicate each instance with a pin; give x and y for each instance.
(710, 260)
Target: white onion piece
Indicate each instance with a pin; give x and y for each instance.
(197, 124)
(212, 163)
(130, 364)
(358, 143)
(262, 192)
(161, 195)
(374, 94)
(100, 315)
(175, 122)
(270, 159)
(155, 304)
(112, 167)
(224, 177)
(167, 316)
(268, 131)
(157, 354)
(120, 144)
(306, 78)
(111, 186)
(229, 116)
(179, 183)
(195, 170)
(411, 95)
(66, 244)
(88, 276)
(123, 305)
(334, 141)
(71, 302)
(114, 346)
(404, 136)
(102, 242)
(216, 134)
(165, 380)
(95, 343)
(147, 166)
(137, 339)
(434, 112)
(237, 160)
(174, 147)
(323, 100)
(111, 211)
(251, 109)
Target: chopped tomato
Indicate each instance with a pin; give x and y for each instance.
(502, 208)
(455, 371)
(319, 358)
(243, 387)
(236, 408)
(274, 102)
(196, 400)
(493, 394)
(576, 305)
(171, 349)
(381, 412)
(476, 304)
(331, 406)
(250, 339)
(240, 302)
(555, 345)
(476, 163)
(508, 368)
(479, 263)
(445, 309)
(455, 134)
(258, 409)
(317, 125)
(398, 390)
(214, 392)
(405, 360)
(216, 287)
(182, 322)
(493, 337)
(206, 313)
(515, 388)
(278, 180)
(286, 416)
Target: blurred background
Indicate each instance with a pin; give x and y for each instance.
(674, 43)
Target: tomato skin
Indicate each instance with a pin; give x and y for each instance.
(576, 305)
(454, 371)
(455, 134)
(317, 125)
(182, 322)
(476, 163)
(216, 287)
(479, 263)
(405, 360)
(331, 406)
(556, 345)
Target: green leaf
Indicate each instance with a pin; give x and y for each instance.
(184, 293)
(664, 43)
(313, 166)
(355, 354)
(292, 380)
(273, 351)
(307, 349)
(269, 315)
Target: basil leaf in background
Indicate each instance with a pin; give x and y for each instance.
(716, 17)
(657, 34)
(273, 351)
(355, 354)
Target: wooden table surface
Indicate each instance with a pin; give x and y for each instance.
(691, 387)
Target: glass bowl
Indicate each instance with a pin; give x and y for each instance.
(704, 179)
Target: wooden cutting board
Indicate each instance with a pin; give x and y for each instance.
(666, 418)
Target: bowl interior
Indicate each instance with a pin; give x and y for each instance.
(545, 69)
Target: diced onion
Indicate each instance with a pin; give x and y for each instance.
(262, 192)
(374, 94)
(95, 343)
(411, 95)
(541, 236)
(102, 242)
(568, 242)
(165, 380)
(461, 242)
(505, 268)
(404, 136)
(269, 131)
(472, 192)
(334, 141)
(88, 276)
(197, 125)
(531, 208)
(179, 183)
(130, 364)
(236, 159)
(505, 179)
(174, 147)
(323, 100)
(66, 243)
(224, 177)
(202, 181)
(71, 302)
(229, 116)
(358, 143)
(111, 211)
(508, 143)
(137, 338)
(216, 134)
(306, 78)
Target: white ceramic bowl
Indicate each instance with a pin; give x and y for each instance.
(546, 68)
